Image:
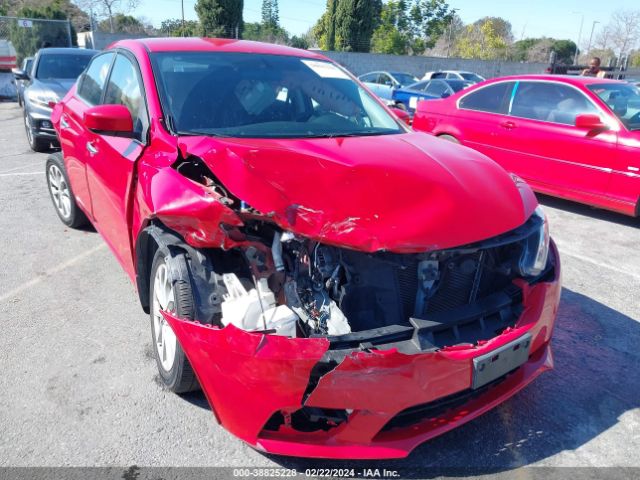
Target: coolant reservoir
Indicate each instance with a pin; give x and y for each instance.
(255, 309)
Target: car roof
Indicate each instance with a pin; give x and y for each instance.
(66, 51)
(193, 44)
(569, 79)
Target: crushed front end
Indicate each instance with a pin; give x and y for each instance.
(315, 350)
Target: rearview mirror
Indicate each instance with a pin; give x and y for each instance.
(589, 121)
(20, 74)
(114, 120)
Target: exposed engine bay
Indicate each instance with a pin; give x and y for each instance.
(294, 286)
(283, 283)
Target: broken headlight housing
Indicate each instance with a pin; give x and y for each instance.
(535, 253)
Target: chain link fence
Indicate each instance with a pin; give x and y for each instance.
(23, 37)
(27, 35)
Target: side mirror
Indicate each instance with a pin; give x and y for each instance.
(20, 74)
(403, 115)
(589, 121)
(114, 120)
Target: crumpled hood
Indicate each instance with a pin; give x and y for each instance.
(403, 193)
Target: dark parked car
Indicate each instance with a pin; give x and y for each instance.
(21, 83)
(53, 73)
(428, 90)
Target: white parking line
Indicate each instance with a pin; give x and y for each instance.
(50, 272)
(17, 174)
(21, 167)
(587, 259)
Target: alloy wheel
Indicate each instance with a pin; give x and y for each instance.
(59, 191)
(163, 299)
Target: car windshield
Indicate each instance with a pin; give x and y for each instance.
(622, 99)
(264, 96)
(404, 78)
(471, 77)
(67, 66)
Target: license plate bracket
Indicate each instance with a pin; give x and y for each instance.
(493, 365)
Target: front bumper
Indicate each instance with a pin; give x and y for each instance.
(248, 377)
(40, 121)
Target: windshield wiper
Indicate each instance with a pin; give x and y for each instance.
(197, 133)
(362, 133)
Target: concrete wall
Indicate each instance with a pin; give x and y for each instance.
(101, 40)
(359, 63)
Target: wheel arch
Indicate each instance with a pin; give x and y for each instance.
(200, 262)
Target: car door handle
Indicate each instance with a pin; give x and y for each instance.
(91, 149)
(509, 125)
(63, 122)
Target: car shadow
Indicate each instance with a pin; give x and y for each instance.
(587, 211)
(595, 381)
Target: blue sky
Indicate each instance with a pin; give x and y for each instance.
(534, 18)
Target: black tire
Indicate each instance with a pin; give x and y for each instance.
(36, 143)
(20, 100)
(180, 377)
(449, 138)
(75, 217)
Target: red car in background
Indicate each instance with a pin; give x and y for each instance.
(338, 285)
(571, 137)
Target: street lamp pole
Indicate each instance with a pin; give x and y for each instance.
(575, 57)
(183, 32)
(591, 36)
(453, 14)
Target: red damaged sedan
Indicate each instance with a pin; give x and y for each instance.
(572, 137)
(338, 285)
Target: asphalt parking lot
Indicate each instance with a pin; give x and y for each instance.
(79, 384)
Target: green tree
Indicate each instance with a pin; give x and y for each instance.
(482, 41)
(354, 23)
(27, 41)
(220, 18)
(173, 28)
(299, 42)
(565, 51)
(391, 34)
(260, 33)
(411, 26)
(122, 23)
(428, 20)
(270, 14)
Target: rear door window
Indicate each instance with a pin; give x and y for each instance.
(550, 102)
(492, 98)
(92, 84)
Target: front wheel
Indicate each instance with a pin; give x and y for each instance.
(36, 143)
(61, 194)
(170, 291)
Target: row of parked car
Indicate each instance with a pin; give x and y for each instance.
(404, 90)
